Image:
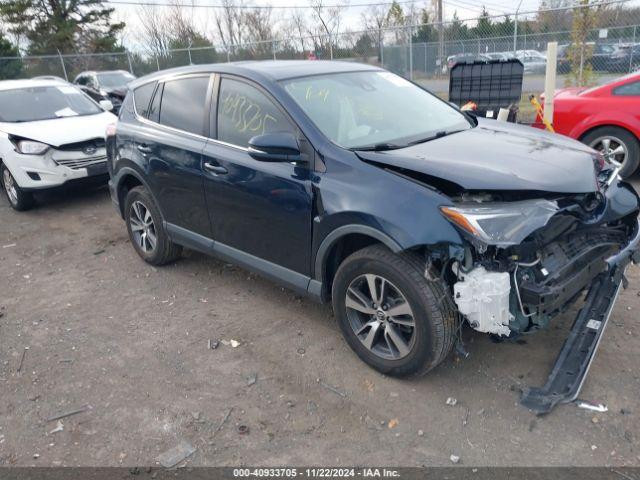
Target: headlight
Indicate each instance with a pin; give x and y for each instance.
(501, 223)
(29, 147)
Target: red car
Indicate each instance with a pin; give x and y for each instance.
(606, 118)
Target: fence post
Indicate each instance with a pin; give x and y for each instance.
(189, 52)
(129, 60)
(515, 29)
(381, 51)
(273, 49)
(410, 52)
(330, 47)
(631, 49)
(64, 69)
(228, 56)
(157, 63)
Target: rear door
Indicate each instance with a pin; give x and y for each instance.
(258, 208)
(171, 140)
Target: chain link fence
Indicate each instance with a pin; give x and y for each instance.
(599, 40)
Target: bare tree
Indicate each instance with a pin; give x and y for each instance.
(375, 19)
(299, 26)
(329, 18)
(229, 23)
(154, 31)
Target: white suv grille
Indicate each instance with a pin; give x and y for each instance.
(80, 162)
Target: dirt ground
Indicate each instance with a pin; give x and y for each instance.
(130, 342)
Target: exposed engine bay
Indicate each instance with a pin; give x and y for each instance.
(530, 260)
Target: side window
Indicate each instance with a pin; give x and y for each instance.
(142, 98)
(630, 89)
(244, 112)
(81, 80)
(183, 104)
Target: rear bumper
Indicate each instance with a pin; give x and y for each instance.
(579, 349)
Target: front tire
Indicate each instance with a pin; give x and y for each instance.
(146, 229)
(395, 320)
(19, 199)
(617, 145)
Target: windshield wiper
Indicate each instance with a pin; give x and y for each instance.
(379, 147)
(436, 135)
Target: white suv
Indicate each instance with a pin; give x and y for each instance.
(50, 133)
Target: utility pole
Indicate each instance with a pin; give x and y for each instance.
(515, 29)
(440, 36)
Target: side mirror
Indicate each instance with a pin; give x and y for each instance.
(106, 105)
(275, 147)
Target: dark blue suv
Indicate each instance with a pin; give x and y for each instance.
(352, 185)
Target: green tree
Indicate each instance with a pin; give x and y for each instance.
(485, 27)
(456, 30)
(580, 52)
(67, 26)
(426, 32)
(9, 68)
(395, 18)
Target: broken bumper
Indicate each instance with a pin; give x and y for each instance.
(577, 353)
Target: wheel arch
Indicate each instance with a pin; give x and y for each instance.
(126, 179)
(582, 131)
(339, 244)
(605, 125)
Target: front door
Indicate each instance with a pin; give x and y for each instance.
(259, 208)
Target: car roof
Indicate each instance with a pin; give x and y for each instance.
(26, 83)
(273, 70)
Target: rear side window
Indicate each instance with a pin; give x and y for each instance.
(244, 112)
(630, 89)
(183, 104)
(142, 98)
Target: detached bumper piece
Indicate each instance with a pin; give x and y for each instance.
(577, 353)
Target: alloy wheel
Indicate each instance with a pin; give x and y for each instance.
(10, 186)
(142, 227)
(612, 149)
(380, 316)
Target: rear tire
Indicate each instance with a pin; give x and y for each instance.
(19, 199)
(608, 140)
(421, 333)
(146, 229)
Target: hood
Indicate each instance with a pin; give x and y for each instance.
(61, 131)
(500, 156)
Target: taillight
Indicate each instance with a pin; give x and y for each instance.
(111, 130)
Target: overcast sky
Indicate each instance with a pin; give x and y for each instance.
(352, 16)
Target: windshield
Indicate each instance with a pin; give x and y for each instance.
(44, 103)
(364, 109)
(114, 79)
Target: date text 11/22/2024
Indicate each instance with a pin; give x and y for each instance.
(316, 472)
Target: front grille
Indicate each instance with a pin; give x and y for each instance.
(94, 143)
(77, 163)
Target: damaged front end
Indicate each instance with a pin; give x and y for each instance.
(529, 258)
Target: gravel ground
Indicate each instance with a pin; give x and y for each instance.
(129, 343)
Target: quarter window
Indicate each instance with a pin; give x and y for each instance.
(245, 112)
(142, 98)
(630, 89)
(183, 104)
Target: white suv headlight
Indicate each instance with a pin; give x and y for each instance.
(30, 147)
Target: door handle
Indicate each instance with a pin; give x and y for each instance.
(145, 148)
(217, 169)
